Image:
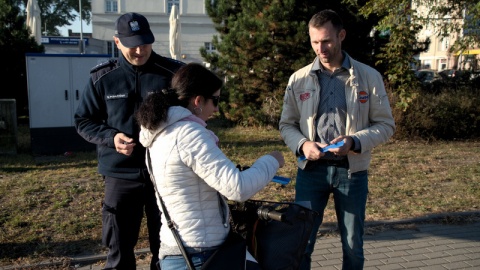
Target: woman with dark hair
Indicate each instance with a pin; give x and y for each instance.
(190, 171)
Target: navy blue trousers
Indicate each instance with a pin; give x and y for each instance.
(122, 213)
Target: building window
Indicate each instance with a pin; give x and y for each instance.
(427, 64)
(171, 3)
(112, 50)
(111, 6)
(445, 44)
(209, 47)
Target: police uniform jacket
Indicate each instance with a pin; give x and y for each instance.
(114, 92)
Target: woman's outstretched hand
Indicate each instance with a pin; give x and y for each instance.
(279, 157)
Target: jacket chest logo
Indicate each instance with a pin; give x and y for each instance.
(304, 96)
(363, 97)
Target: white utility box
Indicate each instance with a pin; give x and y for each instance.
(55, 86)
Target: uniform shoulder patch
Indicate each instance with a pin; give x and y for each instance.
(168, 64)
(103, 68)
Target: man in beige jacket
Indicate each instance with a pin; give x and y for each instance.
(335, 111)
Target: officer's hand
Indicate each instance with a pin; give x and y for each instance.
(123, 144)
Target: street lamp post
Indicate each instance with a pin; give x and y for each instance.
(82, 44)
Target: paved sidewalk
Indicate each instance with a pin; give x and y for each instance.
(388, 245)
(412, 246)
(402, 246)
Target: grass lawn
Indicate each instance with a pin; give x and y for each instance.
(50, 206)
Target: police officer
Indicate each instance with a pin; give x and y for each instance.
(105, 117)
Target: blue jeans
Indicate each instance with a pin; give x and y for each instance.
(177, 262)
(315, 184)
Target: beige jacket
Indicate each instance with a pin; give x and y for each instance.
(369, 116)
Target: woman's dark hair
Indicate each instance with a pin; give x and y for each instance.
(189, 81)
(154, 109)
(194, 80)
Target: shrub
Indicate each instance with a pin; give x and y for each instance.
(445, 114)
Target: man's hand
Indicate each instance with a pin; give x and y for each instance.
(343, 150)
(123, 144)
(311, 150)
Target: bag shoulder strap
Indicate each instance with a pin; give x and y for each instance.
(170, 223)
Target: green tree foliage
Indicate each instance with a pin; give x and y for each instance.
(58, 13)
(397, 54)
(402, 20)
(261, 43)
(15, 42)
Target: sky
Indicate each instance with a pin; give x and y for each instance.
(76, 28)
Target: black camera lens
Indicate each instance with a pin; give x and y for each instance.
(267, 213)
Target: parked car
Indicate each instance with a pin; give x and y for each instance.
(474, 75)
(427, 76)
(450, 73)
(459, 76)
(475, 79)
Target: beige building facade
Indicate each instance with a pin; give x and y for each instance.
(438, 56)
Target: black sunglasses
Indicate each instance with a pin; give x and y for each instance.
(215, 100)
